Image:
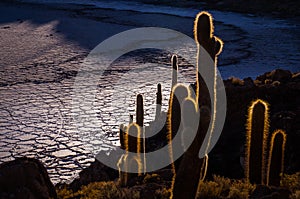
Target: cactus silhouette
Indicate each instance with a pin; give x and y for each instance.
(132, 144)
(276, 158)
(190, 120)
(203, 33)
(158, 101)
(178, 94)
(175, 70)
(256, 141)
(122, 136)
(139, 110)
(191, 169)
(123, 167)
(132, 138)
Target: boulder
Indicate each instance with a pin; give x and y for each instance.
(25, 178)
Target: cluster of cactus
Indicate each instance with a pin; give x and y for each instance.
(132, 139)
(186, 106)
(186, 109)
(262, 167)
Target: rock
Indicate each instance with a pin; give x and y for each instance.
(236, 81)
(276, 75)
(25, 178)
(266, 192)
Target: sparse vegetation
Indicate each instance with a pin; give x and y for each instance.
(292, 183)
(219, 187)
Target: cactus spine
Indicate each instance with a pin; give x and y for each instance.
(256, 138)
(276, 158)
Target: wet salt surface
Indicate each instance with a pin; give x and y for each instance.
(37, 117)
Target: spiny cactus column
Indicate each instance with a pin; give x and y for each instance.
(276, 158)
(134, 145)
(158, 101)
(187, 177)
(181, 186)
(140, 123)
(132, 139)
(206, 41)
(174, 71)
(203, 32)
(257, 133)
(140, 110)
(128, 161)
(178, 94)
(122, 136)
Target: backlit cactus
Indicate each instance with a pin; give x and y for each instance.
(192, 169)
(130, 161)
(132, 138)
(256, 142)
(122, 135)
(189, 163)
(139, 110)
(190, 120)
(276, 158)
(203, 33)
(174, 71)
(178, 94)
(158, 101)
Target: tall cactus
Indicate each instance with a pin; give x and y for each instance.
(174, 71)
(203, 32)
(276, 158)
(158, 101)
(256, 141)
(132, 138)
(139, 110)
(191, 169)
(181, 185)
(122, 136)
(186, 180)
(178, 94)
(128, 161)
